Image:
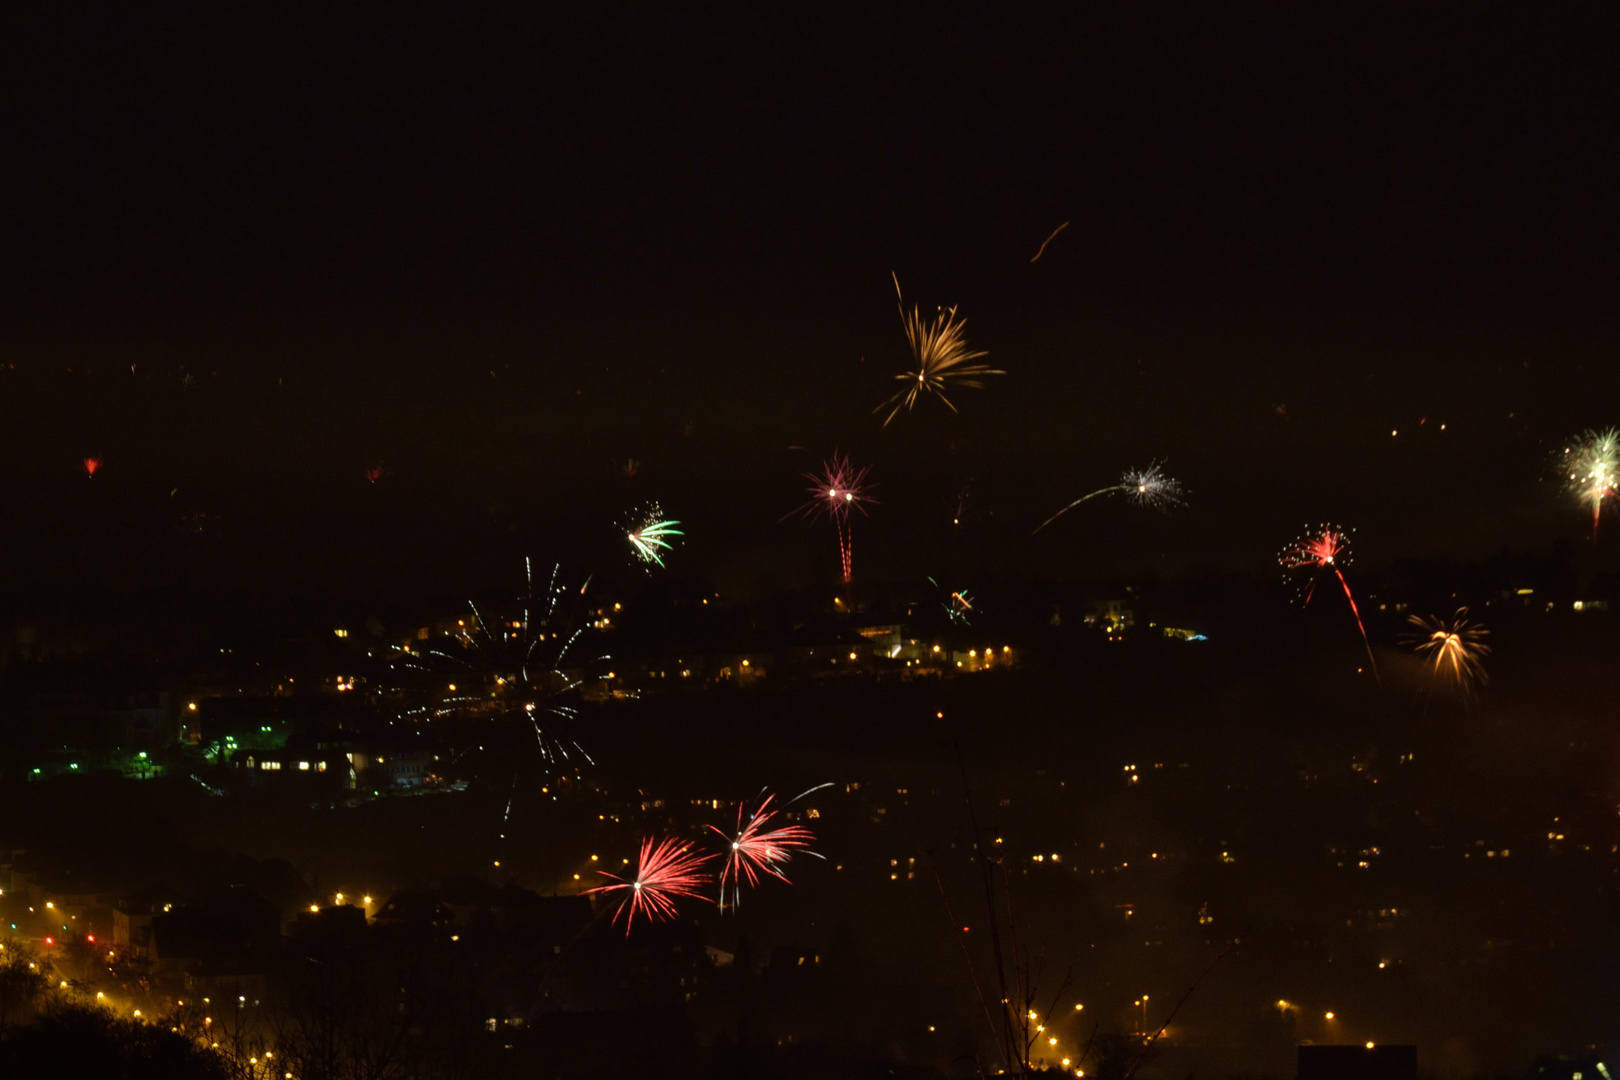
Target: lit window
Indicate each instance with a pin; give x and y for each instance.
(270, 766)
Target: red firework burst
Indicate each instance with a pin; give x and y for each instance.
(91, 464)
(1326, 548)
(835, 491)
(666, 870)
(376, 473)
(755, 848)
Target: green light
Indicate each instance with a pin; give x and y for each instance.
(75, 765)
(143, 753)
(36, 772)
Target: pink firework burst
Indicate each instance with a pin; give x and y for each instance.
(756, 848)
(666, 870)
(835, 491)
(1326, 547)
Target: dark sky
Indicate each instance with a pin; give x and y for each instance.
(251, 250)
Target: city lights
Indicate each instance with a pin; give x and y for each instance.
(388, 345)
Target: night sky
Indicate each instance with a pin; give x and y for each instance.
(251, 251)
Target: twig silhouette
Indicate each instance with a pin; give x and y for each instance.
(1148, 1046)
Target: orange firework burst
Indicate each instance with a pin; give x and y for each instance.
(1453, 650)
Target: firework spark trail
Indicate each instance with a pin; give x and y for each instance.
(846, 549)
(1327, 548)
(1455, 649)
(511, 794)
(528, 591)
(1592, 463)
(755, 848)
(836, 490)
(1150, 487)
(665, 871)
(962, 497)
(1048, 240)
(649, 533)
(941, 354)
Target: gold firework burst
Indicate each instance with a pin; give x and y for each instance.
(942, 357)
(1453, 650)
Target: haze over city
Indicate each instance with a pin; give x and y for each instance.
(862, 541)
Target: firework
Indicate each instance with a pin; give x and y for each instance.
(376, 473)
(964, 495)
(91, 464)
(835, 491)
(665, 871)
(1048, 240)
(649, 534)
(958, 605)
(506, 667)
(1325, 548)
(942, 356)
(1453, 650)
(1150, 487)
(1592, 463)
(756, 848)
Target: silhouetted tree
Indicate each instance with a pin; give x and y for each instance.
(23, 983)
(71, 1039)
